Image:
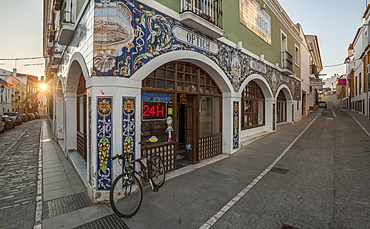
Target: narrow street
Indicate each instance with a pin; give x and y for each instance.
(322, 182)
(19, 150)
(319, 179)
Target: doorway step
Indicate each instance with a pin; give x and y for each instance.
(252, 138)
(79, 165)
(183, 157)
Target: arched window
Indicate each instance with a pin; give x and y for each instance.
(281, 108)
(181, 77)
(253, 106)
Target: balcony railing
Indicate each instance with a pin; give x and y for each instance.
(210, 10)
(196, 13)
(287, 63)
(66, 27)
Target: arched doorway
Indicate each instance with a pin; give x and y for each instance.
(281, 107)
(75, 110)
(193, 100)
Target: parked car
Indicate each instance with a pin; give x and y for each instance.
(2, 126)
(15, 116)
(30, 116)
(37, 116)
(9, 123)
(24, 117)
(323, 104)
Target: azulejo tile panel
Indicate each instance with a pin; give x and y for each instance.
(236, 125)
(128, 34)
(104, 140)
(128, 125)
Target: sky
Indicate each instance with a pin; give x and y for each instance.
(21, 35)
(335, 22)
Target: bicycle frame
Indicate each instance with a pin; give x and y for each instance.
(130, 166)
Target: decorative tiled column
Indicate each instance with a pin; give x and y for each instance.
(128, 124)
(104, 140)
(236, 125)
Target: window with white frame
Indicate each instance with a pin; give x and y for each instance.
(297, 55)
(284, 42)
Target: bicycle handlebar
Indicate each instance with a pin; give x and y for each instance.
(144, 142)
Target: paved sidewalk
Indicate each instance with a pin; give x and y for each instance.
(65, 201)
(188, 200)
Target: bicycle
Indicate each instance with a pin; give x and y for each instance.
(126, 194)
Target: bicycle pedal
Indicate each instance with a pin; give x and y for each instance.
(155, 189)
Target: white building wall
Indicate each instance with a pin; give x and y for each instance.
(82, 44)
(305, 76)
(360, 95)
(84, 31)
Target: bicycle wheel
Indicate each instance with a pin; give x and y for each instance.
(126, 195)
(157, 171)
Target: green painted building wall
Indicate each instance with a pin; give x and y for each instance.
(172, 4)
(235, 31)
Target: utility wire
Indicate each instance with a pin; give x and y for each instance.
(33, 64)
(24, 58)
(333, 65)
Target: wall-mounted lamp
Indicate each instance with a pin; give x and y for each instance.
(239, 45)
(2, 88)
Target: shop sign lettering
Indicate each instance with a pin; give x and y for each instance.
(150, 97)
(257, 66)
(194, 39)
(154, 111)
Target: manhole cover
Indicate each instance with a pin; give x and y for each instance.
(67, 204)
(279, 170)
(110, 221)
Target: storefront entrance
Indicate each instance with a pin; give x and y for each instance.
(186, 131)
(281, 108)
(190, 128)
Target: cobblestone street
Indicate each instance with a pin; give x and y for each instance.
(19, 150)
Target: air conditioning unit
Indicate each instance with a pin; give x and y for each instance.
(368, 69)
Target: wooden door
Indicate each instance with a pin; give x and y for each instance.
(81, 118)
